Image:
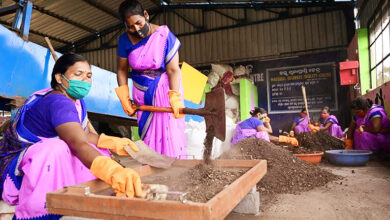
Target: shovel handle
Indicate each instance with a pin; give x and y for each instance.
(189, 111)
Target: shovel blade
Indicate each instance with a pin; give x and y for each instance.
(148, 156)
(215, 103)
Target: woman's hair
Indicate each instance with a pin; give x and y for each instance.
(63, 64)
(326, 108)
(361, 103)
(304, 109)
(132, 7)
(257, 110)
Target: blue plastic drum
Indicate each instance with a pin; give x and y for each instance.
(348, 157)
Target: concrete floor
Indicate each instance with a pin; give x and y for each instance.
(364, 193)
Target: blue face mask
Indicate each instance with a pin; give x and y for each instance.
(77, 89)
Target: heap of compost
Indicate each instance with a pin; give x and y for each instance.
(320, 141)
(285, 172)
(201, 183)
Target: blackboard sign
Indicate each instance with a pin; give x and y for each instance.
(285, 93)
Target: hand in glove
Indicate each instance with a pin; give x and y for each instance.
(289, 140)
(176, 103)
(124, 181)
(266, 120)
(361, 129)
(313, 128)
(348, 144)
(123, 94)
(116, 144)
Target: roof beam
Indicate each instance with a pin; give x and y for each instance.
(186, 19)
(98, 34)
(39, 33)
(102, 7)
(225, 15)
(64, 19)
(251, 4)
(226, 27)
(91, 37)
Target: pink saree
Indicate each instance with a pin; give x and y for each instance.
(160, 131)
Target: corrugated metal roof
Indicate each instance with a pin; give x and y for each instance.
(78, 22)
(47, 14)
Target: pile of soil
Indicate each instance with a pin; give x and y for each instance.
(320, 141)
(286, 173)
(201, 183)
(207, 181)
(300, 150)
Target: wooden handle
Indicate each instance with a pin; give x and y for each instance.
(53, 53)
(305, 100)
(189, 111)
(149, 108)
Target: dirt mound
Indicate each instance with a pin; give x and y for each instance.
(207, 181)
(286, 173)
(320, 141)
(201, 183)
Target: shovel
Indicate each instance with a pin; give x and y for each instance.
(213, 112)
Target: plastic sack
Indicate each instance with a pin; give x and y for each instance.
(195, 133)
(221, 69)
(220, 147)
(232, 102)
(213, 79)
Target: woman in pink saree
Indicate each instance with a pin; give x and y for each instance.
(152, 53)
(330, 123)
(369, 129)
(300, 123)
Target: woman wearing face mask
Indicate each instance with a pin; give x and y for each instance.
(152, 53)
(48, 145)
(258, 126)
(369, 129)
(300, 123)
(330, 123)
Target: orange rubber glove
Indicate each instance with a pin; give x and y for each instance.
(124, 181)
(176, 103)
(289, 140)
(313, 128)
(266, 120)
(116, 144)
(348, 144)
(123, 94)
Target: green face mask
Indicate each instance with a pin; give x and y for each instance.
(77, 89)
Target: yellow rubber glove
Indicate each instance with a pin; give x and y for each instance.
(176, 103)
(116, 144)
(348, 144)
(266, 120)
(124, 181)
(289, 140)
(123, 94)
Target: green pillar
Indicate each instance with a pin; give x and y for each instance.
(248, 94)
(364, 60)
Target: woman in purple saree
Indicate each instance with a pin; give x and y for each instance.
(300, 123)
(152, 53)
(330, 123)
(369, 129)
(258, 126)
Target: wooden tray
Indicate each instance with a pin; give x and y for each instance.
(82, 199)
